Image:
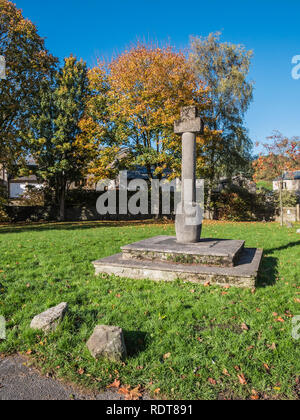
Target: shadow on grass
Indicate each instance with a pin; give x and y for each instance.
(283, 247)
(135, 342)
(268, 272)
(75, 225)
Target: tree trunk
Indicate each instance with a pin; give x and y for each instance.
(209, 200)
(210, 186)
(62, 199)
(62, 205)
(208, 203)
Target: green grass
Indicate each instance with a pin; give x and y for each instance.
(199, 326)
(268, 185)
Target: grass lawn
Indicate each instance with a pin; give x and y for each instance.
(184, 340)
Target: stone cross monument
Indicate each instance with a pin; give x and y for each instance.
(185, 257)
(188, 215)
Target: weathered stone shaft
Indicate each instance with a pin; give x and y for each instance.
(188, 216)
(188, 168)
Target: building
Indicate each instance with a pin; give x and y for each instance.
(291, 182)
(16, 186)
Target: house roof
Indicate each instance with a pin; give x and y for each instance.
(290, 176)
(30, 161)
(29, 178)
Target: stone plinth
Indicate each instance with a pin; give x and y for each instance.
(212, 252)
(218, 261)
(242, 275)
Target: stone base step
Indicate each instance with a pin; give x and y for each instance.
(212, 252)
(242, 275)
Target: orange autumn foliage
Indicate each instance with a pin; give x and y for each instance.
(137, 97)
(281, 154)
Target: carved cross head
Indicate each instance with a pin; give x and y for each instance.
(190, 122)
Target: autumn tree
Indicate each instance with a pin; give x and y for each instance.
(99, 134)
(281, 154)
(224, 67)
(144, 88)
(55, 130)
(27, 64)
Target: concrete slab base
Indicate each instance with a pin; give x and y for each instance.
(244, 274)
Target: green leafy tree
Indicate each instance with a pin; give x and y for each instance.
(224, 67)
(55, 130)
(28, 63)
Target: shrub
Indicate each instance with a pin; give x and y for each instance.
(233, 204)
(3, 203)
(238, 204)
(81, 197)
(32, 196)
(289, 199)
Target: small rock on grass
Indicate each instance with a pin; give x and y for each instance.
(49, 320)
(107, 342)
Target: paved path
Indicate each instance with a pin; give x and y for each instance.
(20, 382)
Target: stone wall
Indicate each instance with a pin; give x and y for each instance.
(290, 214)
(73, 214)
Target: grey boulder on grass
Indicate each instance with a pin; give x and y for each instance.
(107, 342)
(49, 320)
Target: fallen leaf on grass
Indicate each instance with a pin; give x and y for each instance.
(167, 355)
(242, 379)
(272, 346)
(225, 372)
(297, 300)
(280, 319)
(131, 394)
(212, 381)
(124, 389)
(244, 327)
(267, 367)
(115, 384)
